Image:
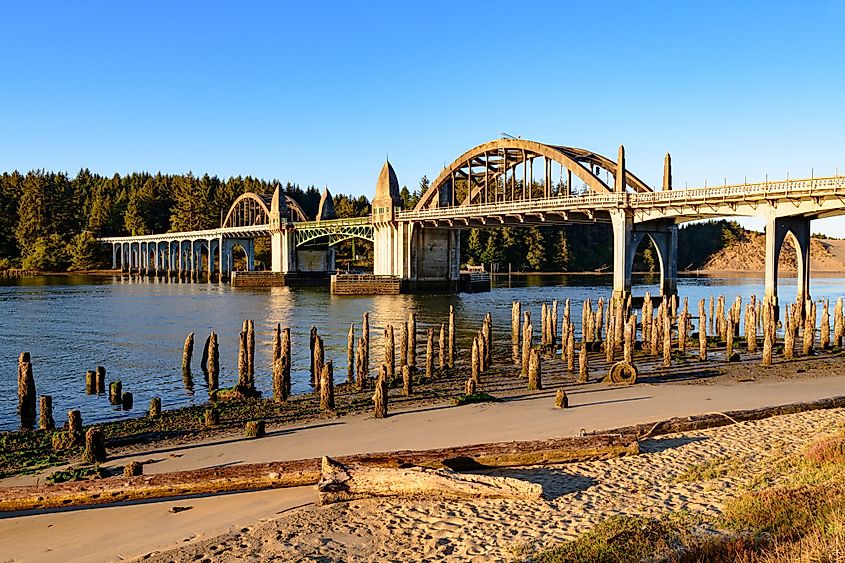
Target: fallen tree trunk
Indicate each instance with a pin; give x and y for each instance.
(716, 419)
(341, 482)
(282, 474)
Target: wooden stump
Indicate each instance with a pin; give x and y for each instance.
(380, 395)
(473, 362)
(535, 382)
(350, 353)
(74, 426)
(570, 348)
(388, 356)
(250, 353)
(667, 339)
(254, 429)
(155, 407)
(361, 369)
(95, 446)
(115, 392)
(90, 382)
(767, 347)
(312, 343)
(213, 363)
(561, 400)
(277, 344)
(824, 328)
(243, 362)
(26, 392)
(133, 469)
(583, 364)
(327, 387)
(702, 331)
(470, 387)
(280, 391)
(204, 360)
(187, 353)
(482, 352)
(126, 400)
(788, 337)
(319, 359)
(365, 334)
(452, 348)
(403, 346)
(441, 346)
(527, 334)
(628, 346)
(286, 357)
(100, 379)
(429, 353)
(412, 341)
(45, 419)
(729, 338)
(516, 317)
(407, 382)
(838, 323)
(212, 417)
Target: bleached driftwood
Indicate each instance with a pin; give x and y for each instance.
(341, 482)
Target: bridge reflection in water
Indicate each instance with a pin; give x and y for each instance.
(505, 182)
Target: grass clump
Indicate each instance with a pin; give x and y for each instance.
(83, 473)
(477, 397)
(714, 468)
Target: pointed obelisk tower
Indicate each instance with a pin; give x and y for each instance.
(387, 243)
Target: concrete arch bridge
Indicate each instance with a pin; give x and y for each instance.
(516, 182)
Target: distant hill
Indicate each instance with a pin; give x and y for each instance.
(725, 246)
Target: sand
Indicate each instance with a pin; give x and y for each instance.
(580, 493)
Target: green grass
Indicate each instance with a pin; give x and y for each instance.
(477, 397)
(28, 452)
(711, 469)
(83, 473)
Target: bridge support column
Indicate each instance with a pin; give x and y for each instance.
(622, 248)
(283, 250)
(433, 259)
(798, 229)
(664, 235)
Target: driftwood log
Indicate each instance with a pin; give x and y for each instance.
(341, 482)
(281, 474)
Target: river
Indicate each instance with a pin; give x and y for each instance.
(135, 328)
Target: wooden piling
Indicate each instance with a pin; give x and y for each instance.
(115, 392)
(350, 353)
(473, 361)
(381, 392)
(597, 335)
(412, 341)
(470, 387)
(187, 353)
(90, 382)
(824, 327)
(243, 362)
(788, 336)
(667, 338)
(100, 378)
(388, 352)
(286, 357)
(361, 369)
(583, 364)
(126, 400)
(429, 354)
(527, 333)
(280, 392)
(255, 429)
(535, 382)
(95, 446)
(327, 387)
(711, 317)
(554, 327)
(809, 329)
(561, 400)
(482, 366)
(702, 331)
(609, 348)
(155, 407)
(729, 337)
(74, 426)
(516, 317)
(838, 324)
(319, 359)
(452, 348)
(403, 346)
(277, 343)
(646, 314)
(570, 348)
(213, 363)
(133, 469)
(628, 344)
(407, 381)
(250, 353)
(204, 359)
(26, 392)
(211, 417)
(441, 342)
(45, 418)
(767, 343)
(365, 334)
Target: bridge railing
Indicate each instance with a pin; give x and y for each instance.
(807, 186)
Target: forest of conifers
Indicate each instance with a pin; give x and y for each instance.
(50, 221)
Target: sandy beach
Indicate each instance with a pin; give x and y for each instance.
(285, 524)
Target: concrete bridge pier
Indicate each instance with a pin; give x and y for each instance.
(797, 229)
(627, 237)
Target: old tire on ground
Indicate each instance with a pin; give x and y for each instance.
(624, 373)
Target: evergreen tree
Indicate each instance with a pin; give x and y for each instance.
(536, 252)
(83, 251)
(564, 254)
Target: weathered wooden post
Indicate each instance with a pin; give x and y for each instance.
(767, 339)
(350, 353)
(127, 400)
(280, 392)
(412, 341)
(667, 338)
(712, 317)
(809, 329)
(429, 354)
(452, 348)
(365, 334)
(312, 343)
(527, 333)
(474, 360)
(250, 353)
(535, 382)
(213, 363)
(628, 345)
(211, 417)
(838, 324)
(95, 447)
(133, 469)
(618, 323)
(441, 344)
(391, 344)
(609, 348)
(286, 356)
(599, 320)
(243, 362)
(487, 329)
(482, 367)
(204, 359)
(45, 419)
(583, 364)
(554, 326)
(100, 378)
(570, 348)
(407, 382)
(380, 395)
(155, 407)
(516, 317)
(729, 337)
(824, 328)
(90, 382)
(187, 353)
(327, 387)
(470, 387)
(319, 359)
(361, 369)
(74, 426)
(277, 344)
(561, 400)
(702, 331)
(788, 336)
(115, 392)
(646, 313)
(255, 429)
(682, 330)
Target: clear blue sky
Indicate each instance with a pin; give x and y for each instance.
(318, 93)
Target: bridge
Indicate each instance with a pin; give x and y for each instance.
(505, 182)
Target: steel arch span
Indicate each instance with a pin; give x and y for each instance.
(489, 173)
(251, 209)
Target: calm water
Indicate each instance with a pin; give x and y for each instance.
(135, 328)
